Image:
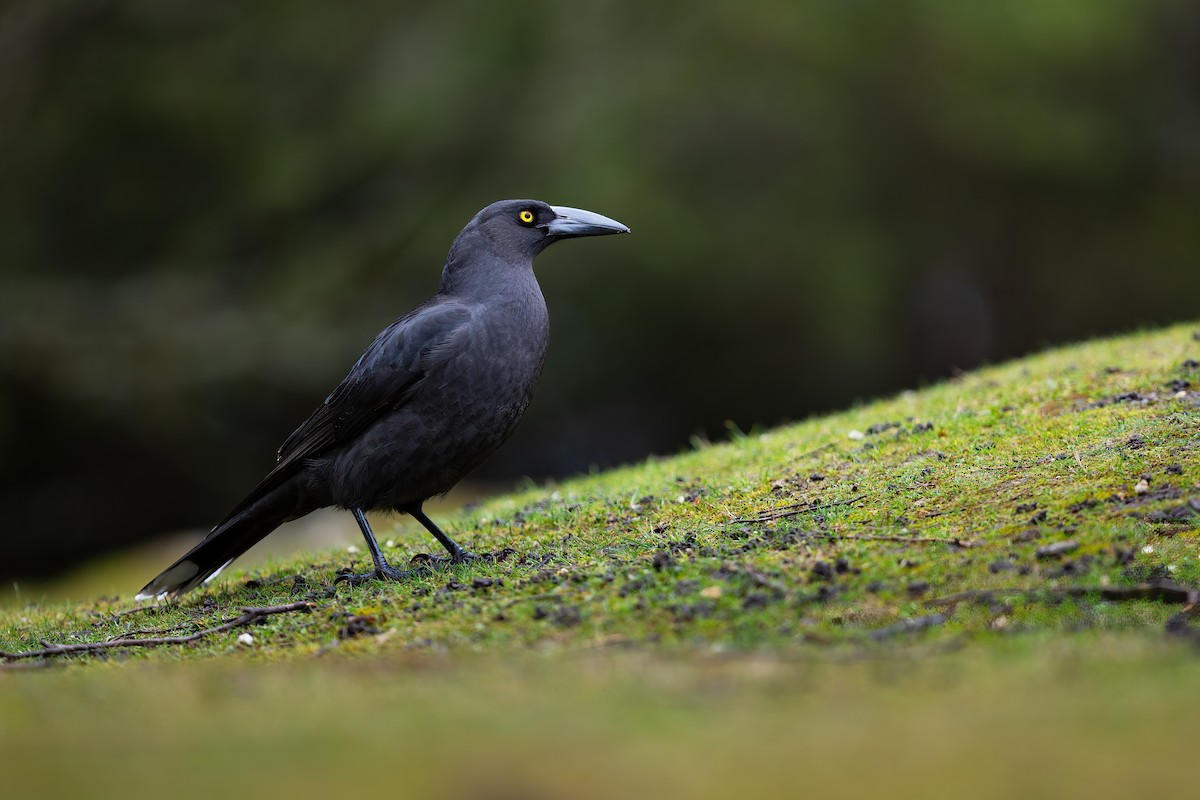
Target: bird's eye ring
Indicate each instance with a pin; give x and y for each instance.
(526, 217)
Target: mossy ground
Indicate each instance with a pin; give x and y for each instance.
(740, 589)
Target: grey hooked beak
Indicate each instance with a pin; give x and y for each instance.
(578, 222)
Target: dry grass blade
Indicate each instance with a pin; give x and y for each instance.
(794, 509)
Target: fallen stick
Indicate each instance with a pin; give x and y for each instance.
(1164, 591)
(881, 537)
(248, 615)
(909, 626)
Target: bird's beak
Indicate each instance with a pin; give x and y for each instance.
(570, 222)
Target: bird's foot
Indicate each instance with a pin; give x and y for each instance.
(459, 557)
(384, 573)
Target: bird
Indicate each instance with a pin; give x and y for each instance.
(435, 394)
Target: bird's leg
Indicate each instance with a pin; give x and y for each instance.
(382, 568)
(457, 553)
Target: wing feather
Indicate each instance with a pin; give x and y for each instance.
(389, 370)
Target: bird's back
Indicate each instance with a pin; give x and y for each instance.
(475, 385)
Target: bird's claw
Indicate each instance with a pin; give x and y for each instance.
(385, 573)
(461, 557)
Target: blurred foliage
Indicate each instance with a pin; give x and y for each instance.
(208, 209)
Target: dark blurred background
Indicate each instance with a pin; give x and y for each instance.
(207, 209)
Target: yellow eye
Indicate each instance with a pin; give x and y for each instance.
(526, 216)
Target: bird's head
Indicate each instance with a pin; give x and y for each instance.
(527, 227)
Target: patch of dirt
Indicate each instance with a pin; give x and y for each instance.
(563, 616)
(355, 625)
(1132, 398)
(1179, 514)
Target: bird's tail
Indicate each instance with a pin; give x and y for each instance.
(244, 528)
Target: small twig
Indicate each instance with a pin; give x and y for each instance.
(127, 612)
(880, 537)
(137, 632)
(945, 513)
(909, 626)
(1164, 591)
(815, 451)
(248, 615)
(793, 510)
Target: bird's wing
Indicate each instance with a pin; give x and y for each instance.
(390, 369)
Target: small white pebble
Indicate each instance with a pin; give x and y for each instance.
(681, 499)
(246, 639)
(352, 549)
(1148, 549)
(1142, 487)
(390, 543)
(856, 435)
(1180, 395)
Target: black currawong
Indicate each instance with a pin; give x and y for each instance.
(432, 397)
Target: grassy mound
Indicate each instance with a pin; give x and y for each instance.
(999, 531)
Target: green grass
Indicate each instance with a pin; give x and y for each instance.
(644, 632)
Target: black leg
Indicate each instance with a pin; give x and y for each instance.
(383, 569)
(457, 553)
(372, 545)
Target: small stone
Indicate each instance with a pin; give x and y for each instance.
(917, 588)
(711, 592)
(352, 549)
(1028, 535)
(1056, 549)
(1142, 486)
(245, 639)
(822, 570)
(856, 435)
(1003, 565)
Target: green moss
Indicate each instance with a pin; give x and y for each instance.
(766, 613)
(817, 533)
